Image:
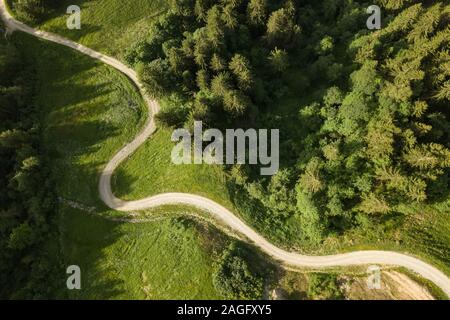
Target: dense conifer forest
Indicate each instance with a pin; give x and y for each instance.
(363, 113)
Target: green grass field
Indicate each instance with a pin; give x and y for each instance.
(150, 171)
(86, 111)
(109, 26)
(85, 106)
(424, 235)
(168, 258)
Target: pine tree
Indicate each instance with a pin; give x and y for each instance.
(310, 179)
(220, 84)
(240, 66)
(156, 77)
(202, 52)
(279, 59)
(428, 156)
(235, 102)
(416, 189)
(217, 63)
(392, 177)
(182, 7)
(201, 9)
(395, 4)
(372, 204)
(281, 28)
(257, 11)
(214, 26)
(177, 60)
(203, 80)
(229, 16)
(443, 93)
(426, 24)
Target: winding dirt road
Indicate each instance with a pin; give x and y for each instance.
(217, 211)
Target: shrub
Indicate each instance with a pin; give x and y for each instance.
(234, 278)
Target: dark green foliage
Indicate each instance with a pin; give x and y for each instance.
(155, 76)
(374, 134)
(379, 147)
(235, 278)
(220, 49)
(33, 11)
(324, 286)
(27, 202)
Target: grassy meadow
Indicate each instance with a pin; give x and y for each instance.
(109, 26)
(168, 258)
(150, 171)
(85, 106)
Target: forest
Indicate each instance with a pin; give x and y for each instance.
(369, 131)
(26, 196)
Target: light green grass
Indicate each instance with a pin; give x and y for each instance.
(424, 233)
(150, 171)
(109, 26)
(165, 259)
(90, 111)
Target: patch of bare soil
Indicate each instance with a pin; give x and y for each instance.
(394, 286)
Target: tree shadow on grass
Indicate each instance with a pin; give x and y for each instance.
(85, 240)
(86, 236)
(75, 34)
(122, 182)
(80, 93)
(72, 94)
